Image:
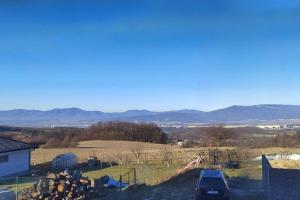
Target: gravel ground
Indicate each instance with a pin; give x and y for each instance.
(244, 186)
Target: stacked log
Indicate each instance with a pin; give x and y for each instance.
(62, 186)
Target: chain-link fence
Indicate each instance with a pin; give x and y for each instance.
(129, 179)
(132, 169)
(10, 188)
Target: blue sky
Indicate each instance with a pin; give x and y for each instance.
(115, 55)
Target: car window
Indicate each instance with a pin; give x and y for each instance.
(212, 182)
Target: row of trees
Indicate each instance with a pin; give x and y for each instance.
(58, 137)
(69, 137)
(281, 140)
(239, 137)
(125, 131)
(210, 136)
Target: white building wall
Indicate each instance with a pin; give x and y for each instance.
(18, 161)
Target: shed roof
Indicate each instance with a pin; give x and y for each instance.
(8, 145)
(66, 156)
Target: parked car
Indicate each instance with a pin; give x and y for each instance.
(231, 165)
(212, 185)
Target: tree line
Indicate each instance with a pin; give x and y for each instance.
(141, 132)
(247, 137)
(206, 136)
(69, 137)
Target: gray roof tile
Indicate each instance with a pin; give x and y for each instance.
(8, 145)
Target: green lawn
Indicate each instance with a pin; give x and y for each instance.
(249, 169)
(23, 182)
(148, 174)
(245, 182)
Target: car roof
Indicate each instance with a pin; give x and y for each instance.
(211, 173)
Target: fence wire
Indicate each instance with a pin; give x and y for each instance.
(146, 168)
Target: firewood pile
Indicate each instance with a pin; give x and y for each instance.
(62, 186)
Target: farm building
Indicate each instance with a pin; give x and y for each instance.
(14, 156)
(64, 161)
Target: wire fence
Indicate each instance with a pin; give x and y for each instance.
(129, 178)
(10, 188)
(164, 155)
(19, 188)
(132, 169)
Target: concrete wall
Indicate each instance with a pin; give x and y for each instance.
(18, 161)
(280, 184)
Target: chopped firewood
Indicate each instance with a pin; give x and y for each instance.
(51, 176)
(34, 194)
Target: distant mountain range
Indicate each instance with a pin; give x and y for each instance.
(79, 117)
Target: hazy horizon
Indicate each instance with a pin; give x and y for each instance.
(144, 109)
(120, 55)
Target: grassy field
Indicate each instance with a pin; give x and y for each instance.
(272, 150)
(109, 150)
(285, 164)
(146, 174)
(245, 184)
(104, 150)
(17, 184)
(160, 181)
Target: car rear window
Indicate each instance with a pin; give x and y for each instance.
(212, 182)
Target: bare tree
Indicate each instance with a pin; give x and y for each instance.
(137, 153)
(220, 136)
(167, 156)
(120, 158)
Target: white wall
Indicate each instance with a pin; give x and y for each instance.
(18, 161)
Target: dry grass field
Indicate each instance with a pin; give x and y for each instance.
(272, 150)
(103, 149)
(110, 150)
(159, 179)
(285, 164)
(126, 146)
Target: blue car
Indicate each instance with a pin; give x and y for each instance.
(212, 185)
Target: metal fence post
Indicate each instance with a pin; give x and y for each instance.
(128, 178)
(144, 173)
(120, 182)
(134, 178)
(17, 187)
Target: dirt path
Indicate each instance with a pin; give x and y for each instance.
(181, 187)
(176, 188)
(246, 189)
(244, 183)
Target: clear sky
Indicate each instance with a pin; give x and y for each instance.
(114, 55)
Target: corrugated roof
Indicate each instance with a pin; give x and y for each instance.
(8, 145)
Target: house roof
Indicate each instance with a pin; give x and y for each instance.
(8, 145)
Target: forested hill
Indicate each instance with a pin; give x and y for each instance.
(79, 117)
